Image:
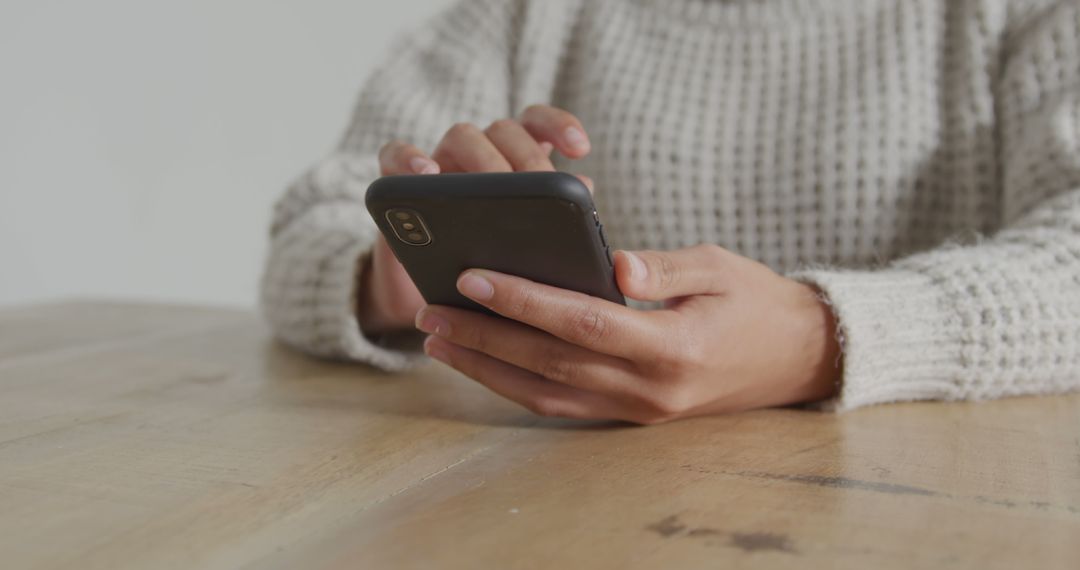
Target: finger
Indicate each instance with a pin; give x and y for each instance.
(536, 394)
(467, 148)
(518, 146)
(661, 275)
(558, 127)
(531, 349)
(398, 157)
(586, 321)
(547, 148)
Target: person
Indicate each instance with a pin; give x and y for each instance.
(842, 202)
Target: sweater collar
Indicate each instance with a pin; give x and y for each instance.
(755, 12)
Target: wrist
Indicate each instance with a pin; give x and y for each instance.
(822, 358)
(381, 309)
(368, 315)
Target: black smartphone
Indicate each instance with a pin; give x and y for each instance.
(542, 226)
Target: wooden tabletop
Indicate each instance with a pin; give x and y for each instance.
(149, 436)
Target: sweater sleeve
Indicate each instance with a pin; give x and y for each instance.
(455, 69)
(999, 317)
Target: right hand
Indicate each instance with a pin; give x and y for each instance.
(388, 299)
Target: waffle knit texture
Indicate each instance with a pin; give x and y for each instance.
(917, 160)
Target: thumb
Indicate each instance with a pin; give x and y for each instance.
(662, 275)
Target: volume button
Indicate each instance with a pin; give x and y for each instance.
(607, 252)
(603, 238)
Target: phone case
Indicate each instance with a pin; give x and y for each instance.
(542, 226)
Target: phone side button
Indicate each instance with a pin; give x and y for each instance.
(596, 217)
(607, 251)
(603, 238)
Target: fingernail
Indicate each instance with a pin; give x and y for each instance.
(432, 349)
(576, 139)
(431, 323)
(638, 271)
(475, 287)
(421, 165)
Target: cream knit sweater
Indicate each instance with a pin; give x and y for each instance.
(918, 160)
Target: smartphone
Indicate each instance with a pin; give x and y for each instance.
(542, 226)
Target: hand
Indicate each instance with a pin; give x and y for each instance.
(388, 299)
(734, 336)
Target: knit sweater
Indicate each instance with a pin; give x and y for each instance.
(917, 160)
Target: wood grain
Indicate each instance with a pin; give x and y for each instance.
(145, 436)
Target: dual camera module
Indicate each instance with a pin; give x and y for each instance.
(408, 226)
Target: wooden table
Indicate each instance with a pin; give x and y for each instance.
(148, 436)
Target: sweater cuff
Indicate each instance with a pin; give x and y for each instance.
(309, 287)
(901, 340)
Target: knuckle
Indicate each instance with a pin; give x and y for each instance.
(667, 404)
(540, 114)
(692, 356)
(523, 303)
(503, 125)
(460, 129)
(535, 109)
(391, 148)
(686, 341)
(537, 160)
(590, 325)
(681, 351)
(476, 339)
(710, 248)
(558, 368)
(667, 272)
(712, 251)
(543, 406)
(563, 118)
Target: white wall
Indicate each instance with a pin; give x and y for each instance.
(143, 143)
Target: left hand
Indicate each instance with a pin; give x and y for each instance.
(734, 336)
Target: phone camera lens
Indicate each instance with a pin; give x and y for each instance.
(409, 226)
